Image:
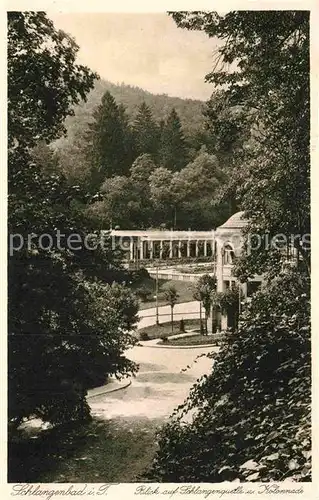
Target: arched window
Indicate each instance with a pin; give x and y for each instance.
(228, 254)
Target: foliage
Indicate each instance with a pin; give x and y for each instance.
(146, 132)
(204, 288)
(67, 331)
(196, 340)
(173, 152)
(182, 326)
(189, 110)
(164, 339)
(252, 423)
(143, 293)
(252, 413)
(171, 296)
(267, 83)
(110, 147)
(125, 200)
(228, 301)
(41, 63)
(144, 336)
(195, 187)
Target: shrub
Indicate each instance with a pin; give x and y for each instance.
(164, 338)
(144, 336)
(143, 293)
(182, 326)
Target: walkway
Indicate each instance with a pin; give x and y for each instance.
(184, 310)
(160, 385)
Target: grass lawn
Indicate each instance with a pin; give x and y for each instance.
(184, 289)
(157, 331)
(97, 452)
(193, 340)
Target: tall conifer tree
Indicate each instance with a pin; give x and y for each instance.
(146, 132)
(110, 149)
(173, 153)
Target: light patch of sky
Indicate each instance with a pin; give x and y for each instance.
(146, 50)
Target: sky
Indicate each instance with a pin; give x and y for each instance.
(145, 50)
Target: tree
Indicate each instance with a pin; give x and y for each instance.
(120, 205)
(141, 170)
(68, 327)
(125, 200)
(203, 290)
(146, 132)
(171, 296)
(228, 301)
(195, 187)
(252, 418)
(109, 148)
(45, 157)
(75, 161)
(140, 173)
(231, 129)
(173, 153)
(161, 194)
(268, 79)
(251, 423)
(30, 119)
(197, 295)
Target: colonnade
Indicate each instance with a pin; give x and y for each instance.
(141, 249)
(163, 244)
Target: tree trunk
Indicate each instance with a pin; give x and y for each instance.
(174, 220)
(200, 317)
(172, 319)
(206, 318)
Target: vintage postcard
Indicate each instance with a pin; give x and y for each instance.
(159, 250)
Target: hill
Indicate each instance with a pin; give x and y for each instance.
(189, 110)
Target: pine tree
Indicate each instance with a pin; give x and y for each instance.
(110, 148)
(146, 132)
(173, 153)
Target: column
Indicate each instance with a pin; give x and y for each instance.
(179, 249)
(171, 249)
(188, 248)
(141, 250)
(152, 250)
(131, 249)
(161, 249)
(205, 248)
(196, 249)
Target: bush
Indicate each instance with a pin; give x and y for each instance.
(144, 294)
(182, 326)
(144, 336)
(164, 338)
(140, 274)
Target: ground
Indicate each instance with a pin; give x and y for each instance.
(157, 331)
(184, 290)
(120, 442)
(185, 311)
(191, 340)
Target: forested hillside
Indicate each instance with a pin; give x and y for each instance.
(189, 110)
(146, 160)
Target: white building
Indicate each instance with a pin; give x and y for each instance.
(228, 246)
(221, 247)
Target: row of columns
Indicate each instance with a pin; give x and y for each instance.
(170, 248)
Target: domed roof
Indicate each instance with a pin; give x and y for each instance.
(236, 221)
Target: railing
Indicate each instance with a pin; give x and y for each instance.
(175, 276)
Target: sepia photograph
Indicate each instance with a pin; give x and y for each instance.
(158, 250)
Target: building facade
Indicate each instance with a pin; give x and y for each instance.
(220, 247)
